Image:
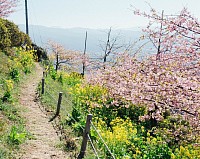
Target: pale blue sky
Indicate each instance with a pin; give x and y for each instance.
(96, 13)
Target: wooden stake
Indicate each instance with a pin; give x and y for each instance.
(42, 85)
(85, 136)
(58, 107)
(59, 104)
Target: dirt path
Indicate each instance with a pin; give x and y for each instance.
(44, 142)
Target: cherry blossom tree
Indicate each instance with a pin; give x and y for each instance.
(7, 7)
(60, 55)
(167, 82)
(173, 33)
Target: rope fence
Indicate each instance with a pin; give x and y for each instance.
(93, 147)
(97, 131)
(46, 89)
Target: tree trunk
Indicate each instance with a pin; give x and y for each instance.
(57, 62)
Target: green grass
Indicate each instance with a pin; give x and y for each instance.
(50, 97)
(12, 125)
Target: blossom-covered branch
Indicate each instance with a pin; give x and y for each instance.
(7, 7)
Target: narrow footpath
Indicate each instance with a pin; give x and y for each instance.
(44, 142)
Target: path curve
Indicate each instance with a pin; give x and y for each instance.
(44, 142)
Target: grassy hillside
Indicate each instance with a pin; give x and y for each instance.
(13, 70)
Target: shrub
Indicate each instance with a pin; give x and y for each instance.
(40, 53)
(4, 36)
(11, 36)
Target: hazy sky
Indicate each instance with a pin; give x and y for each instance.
(96, 13)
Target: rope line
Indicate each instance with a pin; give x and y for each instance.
(53, 90)
(73, 118)
(94, 149)
(102, 140)
(72, 106)
(51, 96)
(75, 121)
(68, 102)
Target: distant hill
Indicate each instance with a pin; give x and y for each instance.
(73, 38)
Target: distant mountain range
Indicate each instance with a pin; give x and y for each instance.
(73, 38)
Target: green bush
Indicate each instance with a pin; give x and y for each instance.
(15, 74)
(11, 36)
(40, 53)
(5, 40)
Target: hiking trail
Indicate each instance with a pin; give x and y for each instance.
(44, 142)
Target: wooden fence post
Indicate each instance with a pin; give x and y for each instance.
(59, 104)
(58, 107)
(42, 85)
(85, 136)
